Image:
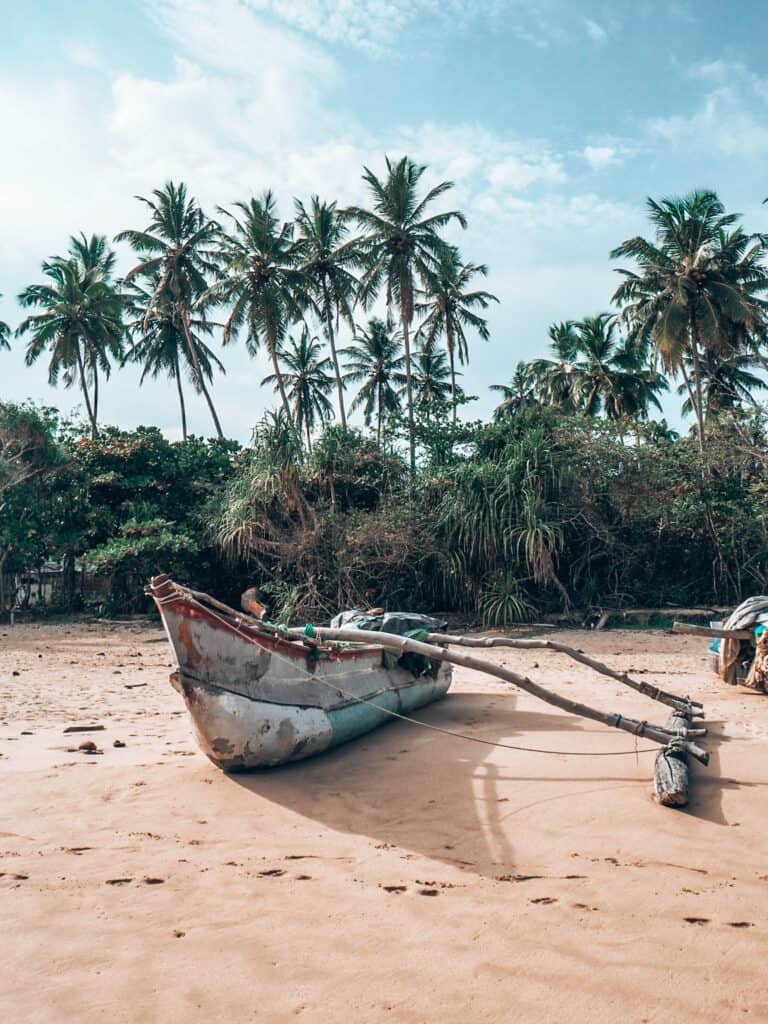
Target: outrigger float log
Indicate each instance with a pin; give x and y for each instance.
(261, 695)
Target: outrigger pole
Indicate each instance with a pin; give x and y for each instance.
(690, 708)
(677, 733)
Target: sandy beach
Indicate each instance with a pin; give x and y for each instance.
(409, 876)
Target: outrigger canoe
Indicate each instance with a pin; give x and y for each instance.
(259, 699)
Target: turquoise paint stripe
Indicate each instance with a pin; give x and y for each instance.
(357, 719)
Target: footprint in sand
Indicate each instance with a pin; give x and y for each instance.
(153, 881)
(545, 900)
(272, 873)
(303, 878)
(394, 888)
(696, 920)
(119, 881)
(740, 924)
(428, 892)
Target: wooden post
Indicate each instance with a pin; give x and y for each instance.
(725, 634)
(670, 774)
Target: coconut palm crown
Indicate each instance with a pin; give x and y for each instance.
(175, 251)
(160, 342)
(375, 360)
(449, 306)
(400, 245)
(80, 320)
(305, 374)
(260, 279)
(328, 259)
(698, 287)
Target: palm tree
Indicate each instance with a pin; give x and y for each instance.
(519, 395)
(614, 377)
(306, 373)
(5, 333)
(432, 377)
(698, 287)
(727, 382)
(449, 307)
(595, 372)
(400, 245)
(261, 279)
(558, 381)
(80, 323)
(375, 360)
(328, 259)
(176, 257)
(160, 344)
(94, 256)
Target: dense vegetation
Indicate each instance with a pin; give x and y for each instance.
(573, 497)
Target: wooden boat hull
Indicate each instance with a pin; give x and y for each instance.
(261, 701)
(238, 733)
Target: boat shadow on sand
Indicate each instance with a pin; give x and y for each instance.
(462, 802)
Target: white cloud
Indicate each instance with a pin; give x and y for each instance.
(82, 55)
(731, 117)
(377, 25)
(517, 173)
(599, 157)
(595, 31)
(229, 38)
(718, 71)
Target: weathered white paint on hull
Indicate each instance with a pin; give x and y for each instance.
(237, 733)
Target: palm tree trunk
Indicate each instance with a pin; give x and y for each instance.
(378, 415)
(309, 436)
(86, 396)
(177, 374)
(409, 391)
(334, 357)
(3, 558)
(449, 346)
(199, 379)
(95, 369)
(699, 402)
(272, 346)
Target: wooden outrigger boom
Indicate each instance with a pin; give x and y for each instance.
(654, 692)
(405, 645)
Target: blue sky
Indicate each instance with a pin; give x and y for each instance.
(555, 119)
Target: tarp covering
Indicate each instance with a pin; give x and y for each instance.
(399, 623)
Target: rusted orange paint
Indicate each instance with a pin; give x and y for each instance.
(194, 658)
